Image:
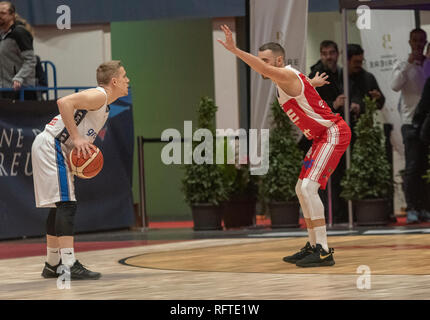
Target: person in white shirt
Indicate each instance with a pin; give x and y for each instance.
(409, 78)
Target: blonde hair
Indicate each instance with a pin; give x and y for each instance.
(106, 71)
(25, 24)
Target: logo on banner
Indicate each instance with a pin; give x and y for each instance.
(386, 41)
(363, 19)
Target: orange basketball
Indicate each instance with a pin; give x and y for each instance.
(87, 167)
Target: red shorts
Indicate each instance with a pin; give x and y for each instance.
(325, 153)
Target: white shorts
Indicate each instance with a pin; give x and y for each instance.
(53, 181)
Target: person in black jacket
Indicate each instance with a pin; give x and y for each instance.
(332, 93)
(420, 148)
(361, 83)
(421, 118)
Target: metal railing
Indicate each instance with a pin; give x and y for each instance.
(46, 64)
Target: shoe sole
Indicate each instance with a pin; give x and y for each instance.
(290, 261)
(49, 276)
(86, 278)
(317, 264)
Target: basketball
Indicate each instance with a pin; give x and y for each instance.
(86, 167)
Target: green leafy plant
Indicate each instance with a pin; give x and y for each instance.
(237, 176)
(369, 176)
(205, 183)
(285, 159)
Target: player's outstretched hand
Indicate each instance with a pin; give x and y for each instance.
(319, 80)
(229, 43)
(84, 146)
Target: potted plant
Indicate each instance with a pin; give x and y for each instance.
(240, 208)
(368, 182)
(203, 184)
(278, 185)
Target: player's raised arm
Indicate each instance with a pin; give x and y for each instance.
(88, 100)
(278, 75)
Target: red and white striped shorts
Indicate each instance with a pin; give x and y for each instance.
(325, 153)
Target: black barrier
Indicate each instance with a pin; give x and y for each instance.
(104, 202)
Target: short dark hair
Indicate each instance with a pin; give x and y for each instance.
(328, 43)
(274, 47)
(416, 30)
(354, 50)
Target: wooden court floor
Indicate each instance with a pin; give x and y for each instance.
(399, 267)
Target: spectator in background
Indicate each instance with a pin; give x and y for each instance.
(331, 93)
(361, 83)
(409, 78)
(17, 67)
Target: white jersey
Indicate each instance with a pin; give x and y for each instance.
(89, 123)
(53, 180)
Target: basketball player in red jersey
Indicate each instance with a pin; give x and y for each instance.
(329, 132)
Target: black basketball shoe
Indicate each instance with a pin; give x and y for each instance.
(50, 271)
(304, 252)
(79, 272)
(319, 258)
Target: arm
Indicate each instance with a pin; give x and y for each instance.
(24, 41)
(375, 92)
(278, 75)
(423, 107)
(399, 75)
(87, 100)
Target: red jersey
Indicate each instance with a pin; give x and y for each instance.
(307, 110)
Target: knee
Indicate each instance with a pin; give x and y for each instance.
(299, 188)
(309, 188)
(65, 218)
(50, 222)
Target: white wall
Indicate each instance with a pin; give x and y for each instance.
(76, 53)
(226, 78)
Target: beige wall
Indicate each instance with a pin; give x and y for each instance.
(327, 26)
(76, 53)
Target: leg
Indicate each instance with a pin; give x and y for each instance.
(411, 177)
(305, 209)
(53, 251)
(64, 226)
(316, 211)
(53, 257)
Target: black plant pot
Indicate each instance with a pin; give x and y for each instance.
(285, 214)
(372, 212)
(240, 211)
(206, 217)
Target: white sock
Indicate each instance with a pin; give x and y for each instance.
(321, 237)
(311, 237)
(53, 256)
(67, 256)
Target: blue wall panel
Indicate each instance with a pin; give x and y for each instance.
(44, 12)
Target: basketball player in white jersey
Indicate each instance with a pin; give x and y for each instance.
(82, 116)
(329, 132)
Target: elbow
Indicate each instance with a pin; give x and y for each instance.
(61, 103)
